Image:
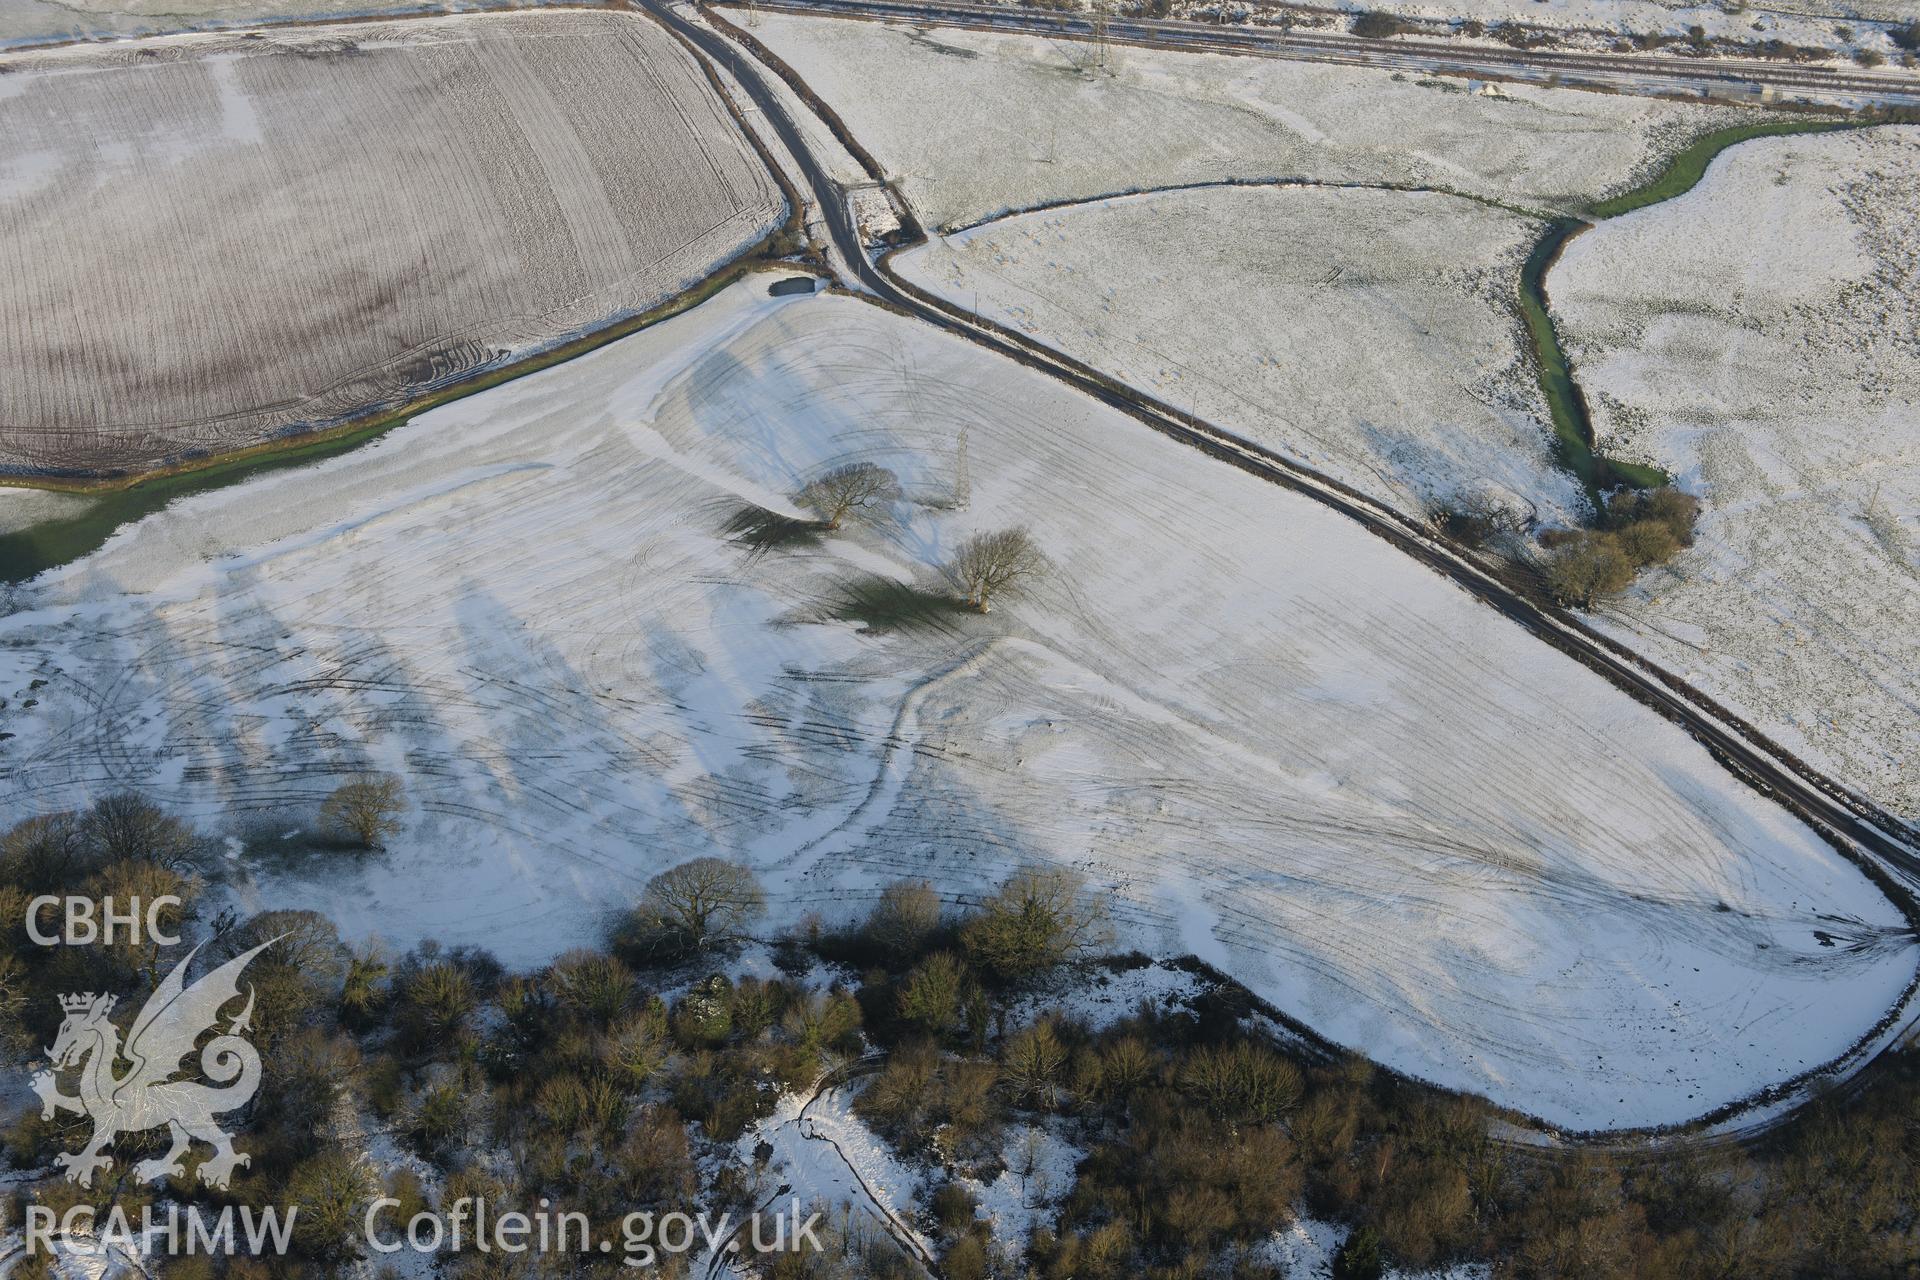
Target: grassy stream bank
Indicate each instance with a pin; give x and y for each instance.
(1572, 422)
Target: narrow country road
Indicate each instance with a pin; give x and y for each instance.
(1886, 847)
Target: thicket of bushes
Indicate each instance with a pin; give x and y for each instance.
(1201, 1138)
(583, 1084)
(1373, 24)
(1638, 528)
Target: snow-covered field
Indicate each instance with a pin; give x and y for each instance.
(974, 124)
(23, 508)
(1760, 338)
(1285, 746)
(215, 240)
(1373, 334)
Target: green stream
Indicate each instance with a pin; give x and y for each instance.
(1572, 424)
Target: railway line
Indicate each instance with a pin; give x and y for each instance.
(1652, 72)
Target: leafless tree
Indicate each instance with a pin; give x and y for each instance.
(1028, 1165)
(1039, 918)
(128, 827)
(989, 563)
(45, 852)
(365, 810)
(1648, 542)
(707, 900)
(844, 490)
(16, 987)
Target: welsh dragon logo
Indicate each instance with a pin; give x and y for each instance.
(145, 1096)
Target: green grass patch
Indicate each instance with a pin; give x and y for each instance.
(50, 543)
(1572, 425)
(118, 500)
(1685, 170)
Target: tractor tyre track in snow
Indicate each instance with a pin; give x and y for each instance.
(1884, 847)
(1854, 823)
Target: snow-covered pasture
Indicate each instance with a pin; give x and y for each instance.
(1760, 338)
(211, 241)
(1372, 334)
(974, 124)
(1279, 743)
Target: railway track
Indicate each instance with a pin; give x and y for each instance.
(1642, 72)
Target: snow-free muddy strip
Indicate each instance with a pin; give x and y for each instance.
(1284, 746)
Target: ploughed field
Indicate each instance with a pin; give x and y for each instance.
(208, 242)
(1278, 742)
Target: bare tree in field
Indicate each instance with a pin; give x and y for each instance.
(907, 914)
(707, 900)
(365, 810)
(844, 490)
(989, 563)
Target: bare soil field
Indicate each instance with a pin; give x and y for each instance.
(1278, 742)
(1757, 337)
(214, 241)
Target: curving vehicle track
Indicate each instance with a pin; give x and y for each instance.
(1887, 848)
